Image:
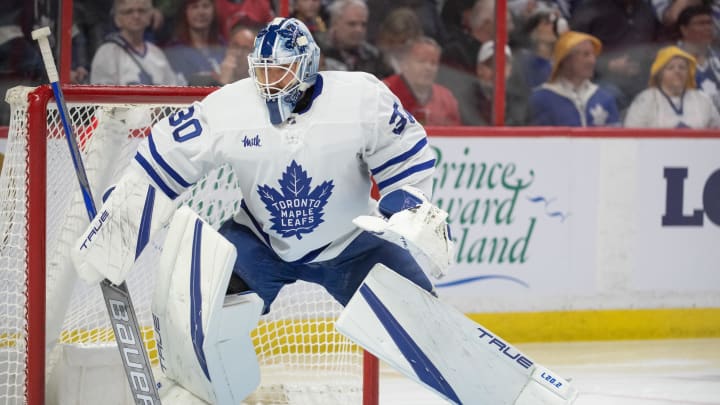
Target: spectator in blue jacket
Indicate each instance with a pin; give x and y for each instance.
(569, 98)
(695, 25)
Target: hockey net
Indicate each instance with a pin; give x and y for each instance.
(46, 313)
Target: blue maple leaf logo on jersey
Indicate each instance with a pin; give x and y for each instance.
(295, 209)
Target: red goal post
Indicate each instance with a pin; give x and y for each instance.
(36, 180)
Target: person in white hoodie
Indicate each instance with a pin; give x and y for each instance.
(126, 58)
(672, 100)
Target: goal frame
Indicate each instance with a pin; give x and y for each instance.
(36, 198)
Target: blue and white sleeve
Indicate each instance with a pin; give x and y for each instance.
(178, 151)
(398, 153)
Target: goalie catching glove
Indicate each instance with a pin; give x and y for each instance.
(413, 223)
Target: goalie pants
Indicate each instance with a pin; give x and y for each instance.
(266, 273)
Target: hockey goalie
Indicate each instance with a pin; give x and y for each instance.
(304, 146)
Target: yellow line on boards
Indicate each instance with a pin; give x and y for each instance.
(625, 324)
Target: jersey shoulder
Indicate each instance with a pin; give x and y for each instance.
(235, 105)
(352, 96)
(359, 82)
(363, 87)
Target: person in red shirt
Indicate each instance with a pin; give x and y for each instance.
(248, 12)
(429, 102)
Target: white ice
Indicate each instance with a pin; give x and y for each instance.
(638, 372)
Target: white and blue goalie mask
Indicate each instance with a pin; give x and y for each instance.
(283, 64)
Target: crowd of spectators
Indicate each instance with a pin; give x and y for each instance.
(637, 63)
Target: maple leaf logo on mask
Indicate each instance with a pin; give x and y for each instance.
(295, 209)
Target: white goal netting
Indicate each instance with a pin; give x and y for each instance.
(303, 359)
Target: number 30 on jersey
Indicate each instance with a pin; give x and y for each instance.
(186, 127)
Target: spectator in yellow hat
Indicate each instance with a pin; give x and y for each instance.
(671, 100)
(569, 98)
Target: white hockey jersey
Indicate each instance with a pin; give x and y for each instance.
(302, 182)
(115, 64)
(652, 109)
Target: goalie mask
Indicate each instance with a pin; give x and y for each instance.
(283, 64)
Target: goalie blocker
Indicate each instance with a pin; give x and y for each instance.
(439, 347)
(130, 217)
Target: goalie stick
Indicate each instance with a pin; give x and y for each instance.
(117, 298)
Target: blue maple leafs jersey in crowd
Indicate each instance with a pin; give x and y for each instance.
(302, 182)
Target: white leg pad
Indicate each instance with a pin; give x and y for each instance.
(203, 336)
(439, 347)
